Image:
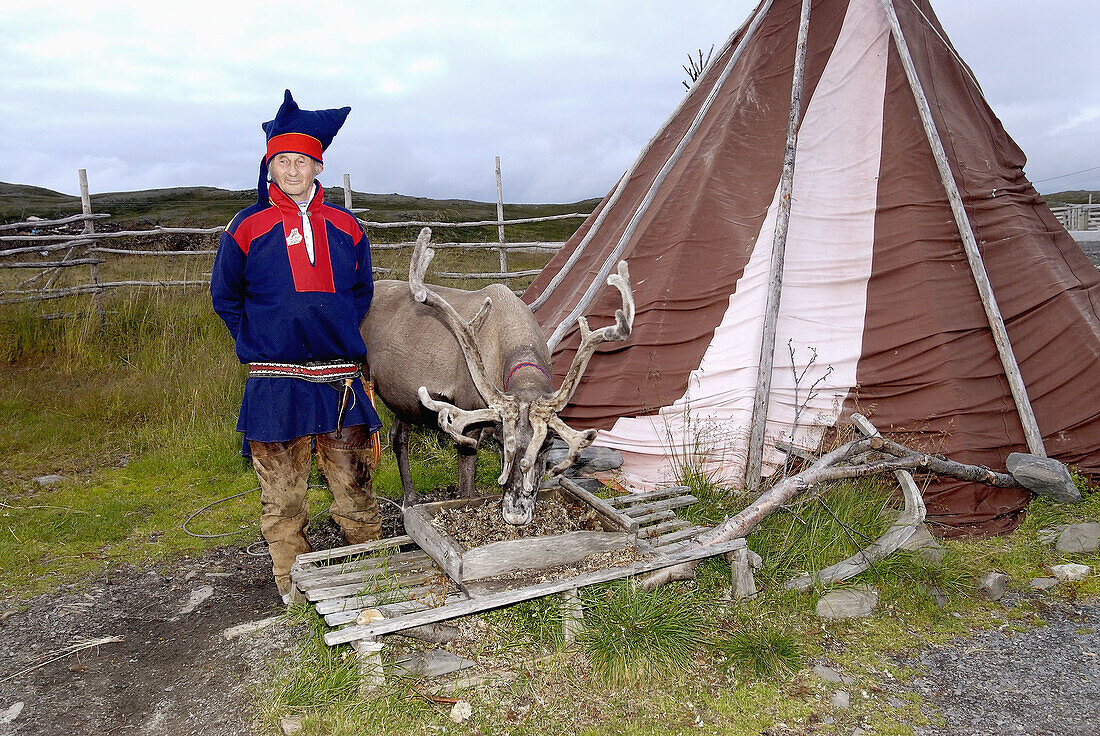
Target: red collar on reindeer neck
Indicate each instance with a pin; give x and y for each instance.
(517, 366)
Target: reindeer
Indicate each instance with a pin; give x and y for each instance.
(476, 363)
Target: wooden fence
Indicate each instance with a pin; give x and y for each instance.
(1078, 217)
(49, 253)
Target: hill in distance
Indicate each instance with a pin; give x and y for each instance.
(210, 207)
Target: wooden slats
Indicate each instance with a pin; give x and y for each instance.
(631, 499)
(351, 589)
(497, 600)
(364, 569)
(392, 610)
(662, 505)
(353, 549)
(674, 524)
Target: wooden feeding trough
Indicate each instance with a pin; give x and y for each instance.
(608, 529)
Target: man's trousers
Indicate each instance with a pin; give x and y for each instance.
(283, 470)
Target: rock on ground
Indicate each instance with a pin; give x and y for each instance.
(853, 601)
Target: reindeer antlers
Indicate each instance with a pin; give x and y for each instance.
(463, 331)
(591, 339)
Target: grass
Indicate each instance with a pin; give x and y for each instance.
(135, 408)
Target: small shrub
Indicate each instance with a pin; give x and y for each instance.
(630, 631)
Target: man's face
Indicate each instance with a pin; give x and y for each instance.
(294, 174)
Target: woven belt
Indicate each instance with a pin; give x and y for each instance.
(314, 372)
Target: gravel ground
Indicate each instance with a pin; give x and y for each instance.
(1042, 682)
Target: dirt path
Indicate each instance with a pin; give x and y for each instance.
(173, 672)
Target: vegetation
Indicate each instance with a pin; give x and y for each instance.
(135, 405)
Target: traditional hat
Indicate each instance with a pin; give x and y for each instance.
(294, 130)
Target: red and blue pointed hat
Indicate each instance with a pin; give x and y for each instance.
(294, 130)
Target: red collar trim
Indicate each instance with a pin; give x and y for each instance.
(280, 199)
(517, 366)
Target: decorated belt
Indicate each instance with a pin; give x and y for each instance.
(314, 372)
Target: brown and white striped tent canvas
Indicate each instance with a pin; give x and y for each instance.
(879, 306)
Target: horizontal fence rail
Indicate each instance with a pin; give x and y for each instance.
(1078, 217)
(62, 251)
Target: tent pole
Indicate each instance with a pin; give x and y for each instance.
(613, 259)
(625, 178)
(753, 467)
(985, 290)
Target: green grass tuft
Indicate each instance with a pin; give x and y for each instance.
(761, 650)
(630, 631)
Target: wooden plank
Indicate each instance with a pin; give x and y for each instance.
(442, 547)
(672, 537)
(607, 512)
(533, 553)
(391, 610)
(653, 517)
(671, 525)
(632, 499)
(399, 561)
(353, 549)
(342, 591)
(663, 505)
(365, 576)
(497, 600)
(427, 593)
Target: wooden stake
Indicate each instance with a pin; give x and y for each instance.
(753, 467)
(500, 218)
(970, 246)
(347, 191)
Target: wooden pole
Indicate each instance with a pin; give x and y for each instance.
(749, 29)
(89, 228)
(347, 191)
(970, 246)
(612, 260)
(500, 218)
(753, 467)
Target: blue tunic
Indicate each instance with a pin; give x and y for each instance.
(281, 307)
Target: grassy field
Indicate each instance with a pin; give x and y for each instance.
(134, 406)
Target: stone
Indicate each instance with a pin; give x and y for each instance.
(432, 663)
(1049, 535)
(937, 595)
(1043, 583)
(1079, 538)
(290, 725)
(1070, 572)
(48, 480)
(461, 711)
(993, 585)
(198, 597)
(925, 545)
(1044, 476)
(249, 627)
(854, 601)
(756, 562)
(840, 699)
(828, 674)
(11, 713)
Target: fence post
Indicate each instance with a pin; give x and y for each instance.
(347, 191)
(89, 228)
(500, 219)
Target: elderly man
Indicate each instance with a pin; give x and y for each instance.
(292, 281)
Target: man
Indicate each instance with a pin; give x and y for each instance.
(292, 281)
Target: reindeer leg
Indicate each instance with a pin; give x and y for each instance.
(399, 441)
(467, 470)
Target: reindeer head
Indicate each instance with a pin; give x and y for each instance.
(522, 418)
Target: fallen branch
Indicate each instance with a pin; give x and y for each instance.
(828, 468)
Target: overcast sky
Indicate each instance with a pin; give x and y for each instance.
(147, 95)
